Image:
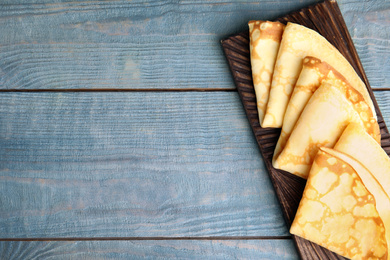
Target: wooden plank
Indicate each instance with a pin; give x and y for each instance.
(159, 249)
(91, 164)
(383, 99)
(155, 44)
(368, 24)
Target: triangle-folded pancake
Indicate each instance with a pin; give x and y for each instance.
(265, 37)
(373, 185)
(297, 43)
(343, 208)
(313, 73)
(330, 109)
(359, 145)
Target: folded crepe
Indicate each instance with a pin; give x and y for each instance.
(359, 145)
(344, 208)
(264, 44)
(313, 73)
(330, 109)
(297, 43)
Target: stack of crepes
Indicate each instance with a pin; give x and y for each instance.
(330, 136)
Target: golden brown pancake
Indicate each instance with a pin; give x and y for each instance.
(344, 208)
(297, 43)
(265, 37)
(313, 73)
(362, 147)
(330, 109)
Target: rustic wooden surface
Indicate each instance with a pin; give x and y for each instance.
(122, 135)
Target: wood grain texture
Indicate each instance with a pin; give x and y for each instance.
(91, 178)
(152, 44)
(142, 164)
(160, 249)
(368, 23)
(131, 164)
(122, 44)
(383, 99)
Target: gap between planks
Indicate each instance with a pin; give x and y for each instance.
(148, 238)
(126, 90)
(138, 90)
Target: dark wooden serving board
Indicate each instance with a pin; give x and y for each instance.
(325, 18)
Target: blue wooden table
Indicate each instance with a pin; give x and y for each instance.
(122, 135)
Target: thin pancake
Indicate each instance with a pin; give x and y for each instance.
(338, 211)
(264, 44)
(358, 144)
(330, 109)
(373, 185)
(313, 73)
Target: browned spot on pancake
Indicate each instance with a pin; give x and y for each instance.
(307, 157)
(323, 67)
(335, 193)
(267, 30)
(354, 96)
